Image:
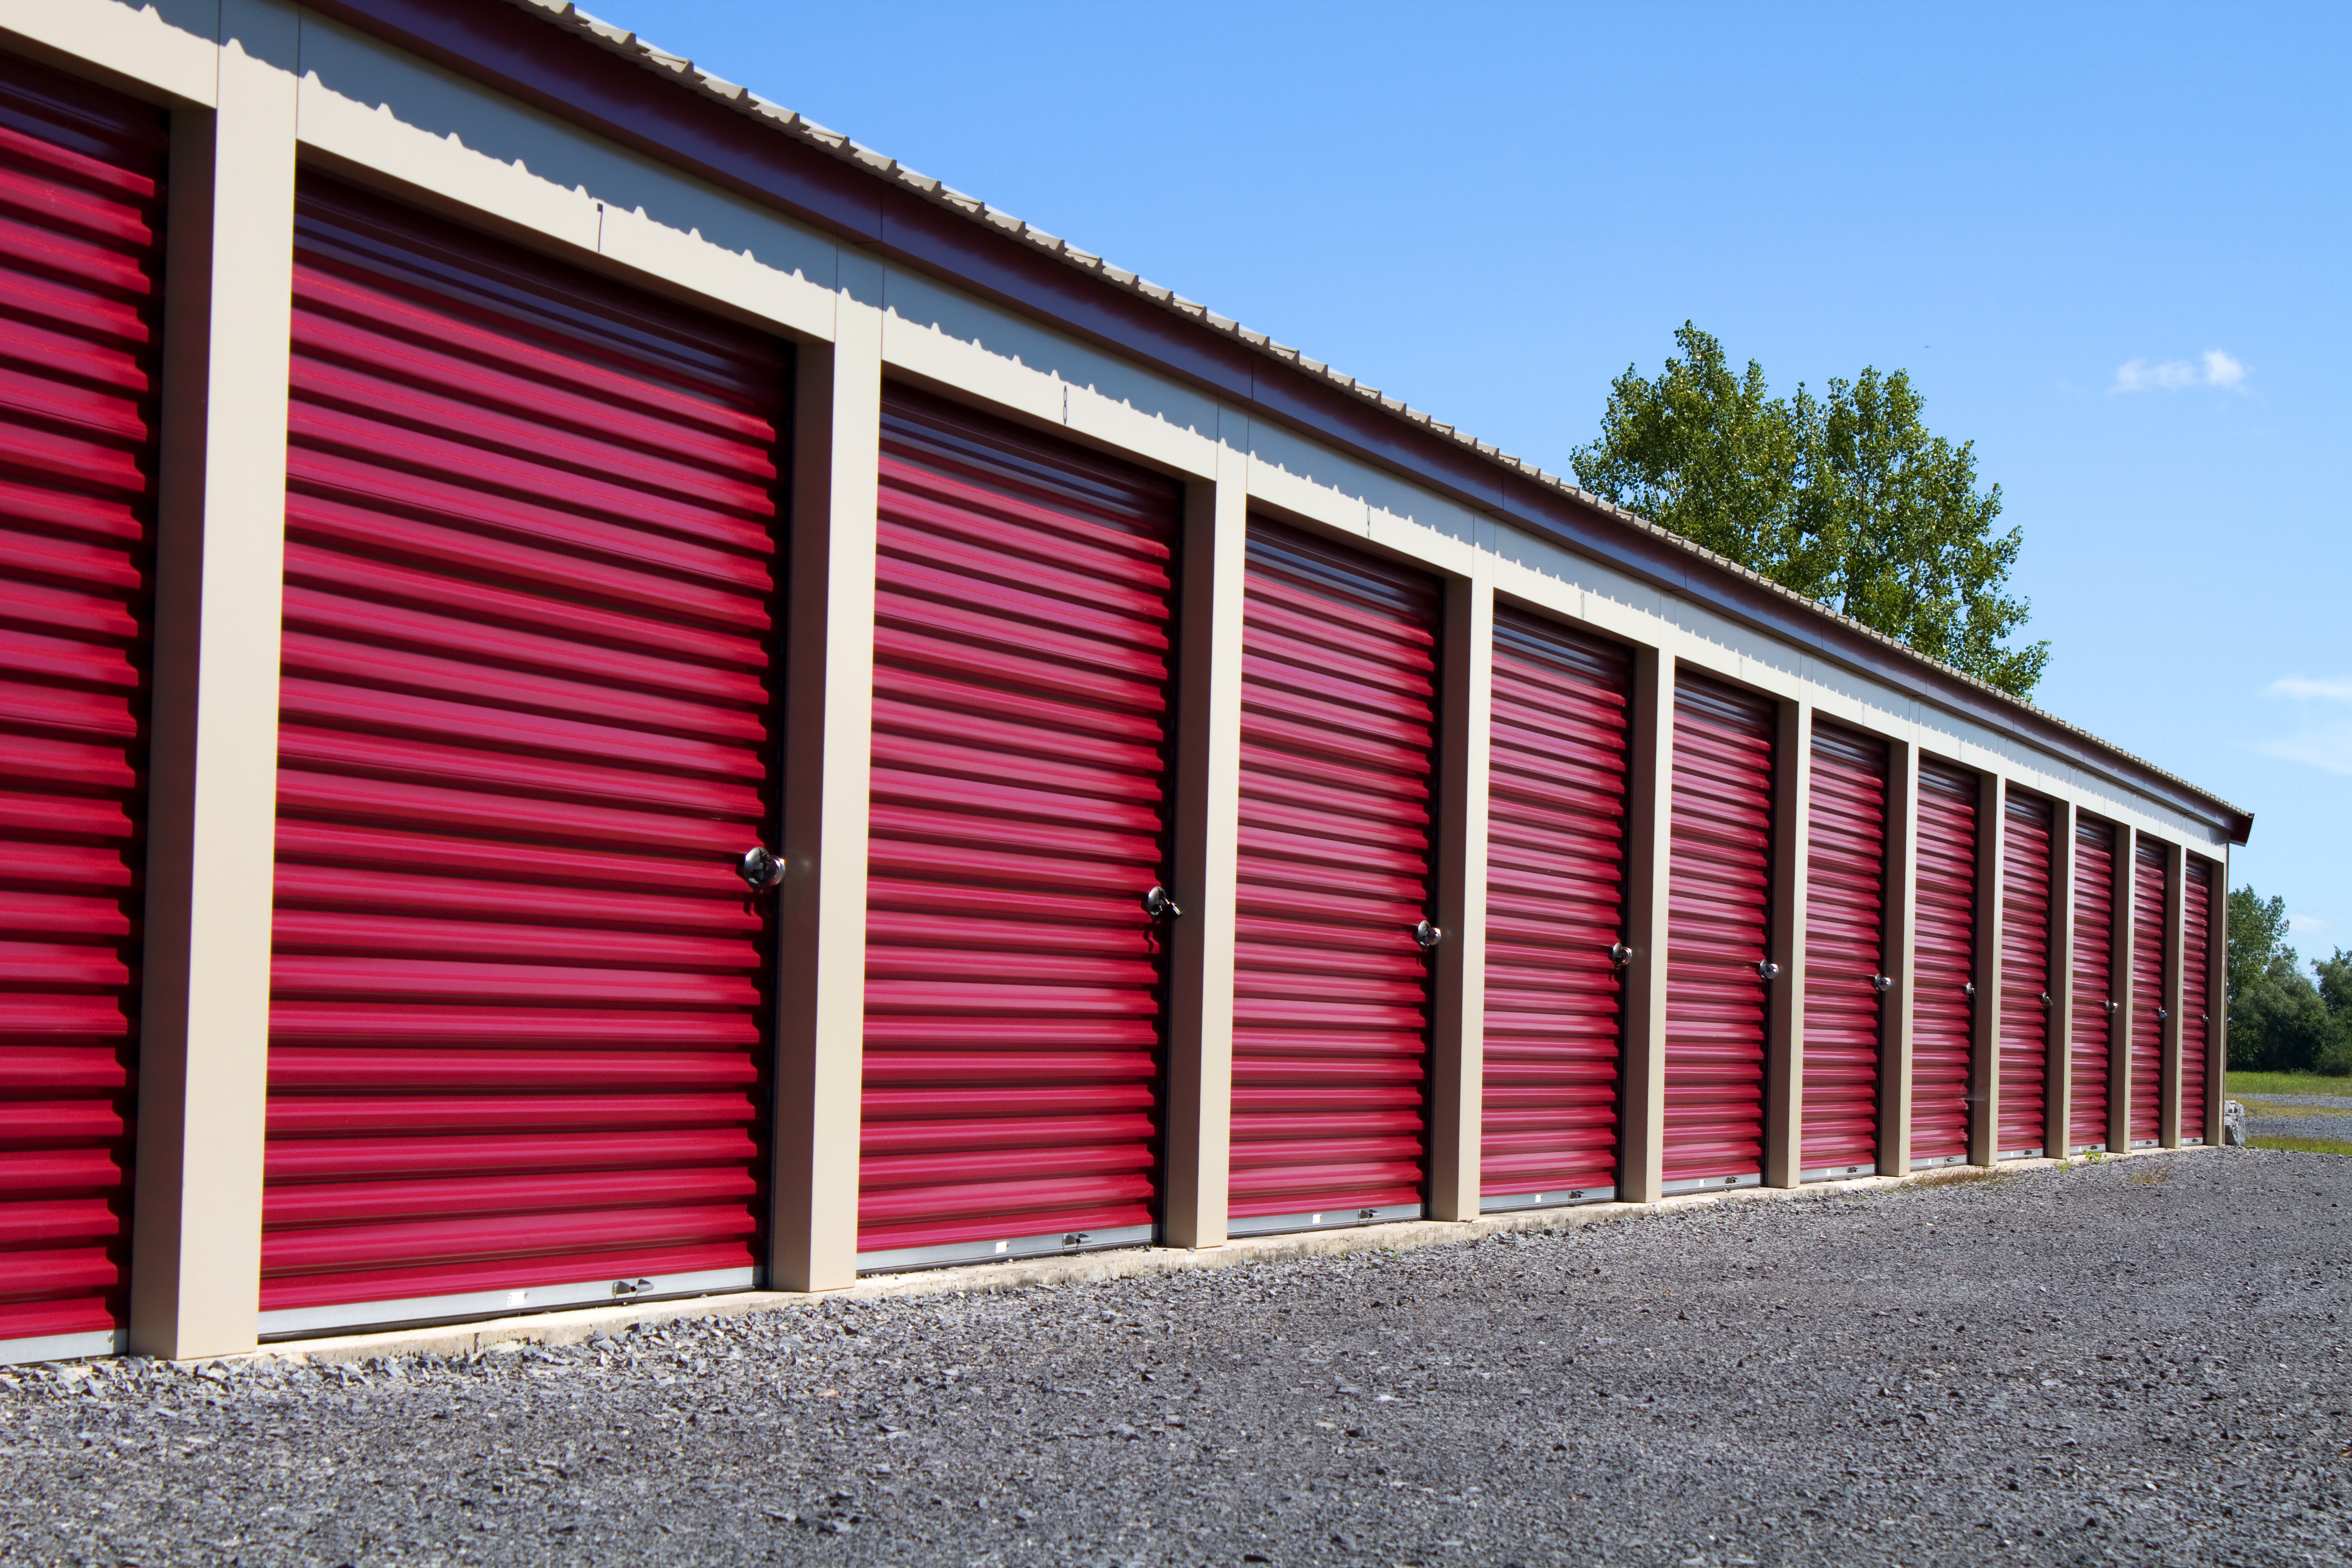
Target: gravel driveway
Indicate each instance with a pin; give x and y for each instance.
(2140, 1361)
(2299, 1116)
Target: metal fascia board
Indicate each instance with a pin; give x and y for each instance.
(508, 49)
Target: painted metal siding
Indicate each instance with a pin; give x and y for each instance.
(81, 213)
(1555, 909)
(520, 1004)
(1845, 928)
(1022, 742)
(2196, 1023)
(2025, 1000)
(1719, 887)
(2148, 974)
(1943, 1024)
(1337, 806)
(2089, 1052)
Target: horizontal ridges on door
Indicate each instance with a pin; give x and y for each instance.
(81, 212)
(1555, 907)
(520, 1005)
(1719, 884)
(1021, 713)
(1943, 1018)
(2148, 967)
(2025, 975)
(1337, 785)
(2196, 1024)
(2094, 946)
(1845, 919)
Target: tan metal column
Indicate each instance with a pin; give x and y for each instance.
(1208, 829)
(2058, 1069)
(1649, 853)
(1984, 1087)
(1895, 1018)
(1784, 1043)
(195, 1271)
(2119, 991)
(1457, 1066)
(828, 761)
(2176, 901)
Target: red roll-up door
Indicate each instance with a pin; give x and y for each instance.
(1338, 782)
(1555, 908)
(2196, 1023)
(2025, 1001)
(2149, 1009)
(1022, 713)
(1943, 1019)
(520, 1005)
(1845, 919)
(2089, 1050)
(81, 214)
(1718, 891)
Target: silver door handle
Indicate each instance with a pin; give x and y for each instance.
(1156, 903)
(1427, 935)
(759, 869)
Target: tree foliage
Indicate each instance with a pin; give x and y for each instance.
(2280, 1019)
(1844, 497)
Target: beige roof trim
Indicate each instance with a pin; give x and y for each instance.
(689, 76)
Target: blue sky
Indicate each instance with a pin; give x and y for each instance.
(2110, 245)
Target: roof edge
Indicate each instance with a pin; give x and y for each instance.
(1514, 489)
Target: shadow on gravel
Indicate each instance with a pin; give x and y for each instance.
(2140, 1361)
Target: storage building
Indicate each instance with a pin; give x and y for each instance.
(606, 694)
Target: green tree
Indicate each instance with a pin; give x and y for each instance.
(1846, 499)
(2257, 935)
(2280, 1021)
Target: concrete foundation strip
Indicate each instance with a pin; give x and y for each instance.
(565, 1328)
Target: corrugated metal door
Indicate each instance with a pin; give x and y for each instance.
(2196, 1024)
(1021, 713)
(520, 1004)
(81, 213)
(2094, 1006)
(1330, 988)
(1943, 1018)
(1719, 886)
(2148, 974)
(2025, 1001)
(1845, 919)
(1555, 909)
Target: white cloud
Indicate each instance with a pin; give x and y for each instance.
(2338, 689)
(2318, 743)
(2299, 924)
(2216, 368)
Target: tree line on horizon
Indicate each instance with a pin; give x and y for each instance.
(2281, 1019)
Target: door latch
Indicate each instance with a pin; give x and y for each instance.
(759, 869)
(1767, 969)
(1157, 904)
(1427, 935)
(1881, 983)
(1620, 955)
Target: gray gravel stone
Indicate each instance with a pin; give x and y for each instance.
(2298, 1116)
(2135, 1362)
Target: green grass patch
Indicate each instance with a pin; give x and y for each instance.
(2241, 1083)
(2306, 1145)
